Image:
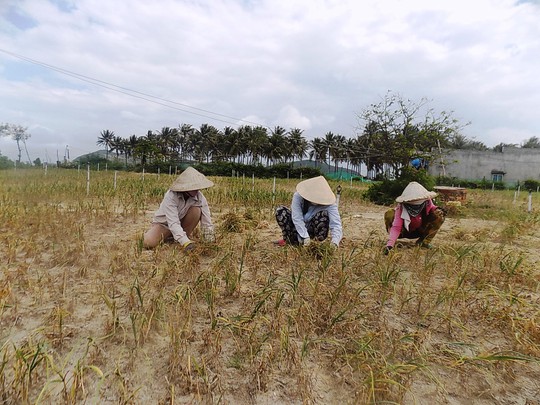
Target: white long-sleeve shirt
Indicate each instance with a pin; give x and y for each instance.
(300, 220)
(175, 206)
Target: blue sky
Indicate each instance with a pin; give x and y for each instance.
(311, 64)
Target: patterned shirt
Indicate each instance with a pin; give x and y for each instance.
(300, 219)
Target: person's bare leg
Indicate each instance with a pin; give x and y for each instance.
(191, 220)
(155, 235)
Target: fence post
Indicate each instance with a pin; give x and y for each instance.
(88, 179)
(274, 193)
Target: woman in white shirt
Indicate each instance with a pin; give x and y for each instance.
(313, 214)
(183, 207)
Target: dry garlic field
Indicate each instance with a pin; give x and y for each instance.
(89, 317)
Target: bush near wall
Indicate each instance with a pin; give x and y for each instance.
(531, 185)
(473, 184)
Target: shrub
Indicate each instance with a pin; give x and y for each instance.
(386, 191)
(531, 185)
(5, 163)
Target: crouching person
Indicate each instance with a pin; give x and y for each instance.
(415, 217)
(183, 207)
(313, 214)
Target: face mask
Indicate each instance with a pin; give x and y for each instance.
(414, 209)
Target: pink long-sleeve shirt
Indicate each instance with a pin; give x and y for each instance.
(397, 225)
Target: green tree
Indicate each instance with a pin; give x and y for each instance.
(399, 129)
(531, 143)
(275, 148)
(460, 141)
(257, 143)
(318, 151)
(5, 163)
(297, 143)
(18, 134)
(145, 150)
(106, 139)
(500, 147)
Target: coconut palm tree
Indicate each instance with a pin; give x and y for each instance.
(105, 139)
(168, 138)
(184, 141)
(258, 143)
(297, 143)
(275, 148)
(230, 143)
(319, 151)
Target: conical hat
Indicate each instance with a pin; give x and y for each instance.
(191, 180)
(316, 190)
(415, 192)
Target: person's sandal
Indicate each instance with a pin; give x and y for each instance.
(280, 242)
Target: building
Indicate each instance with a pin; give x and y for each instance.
(512, 165)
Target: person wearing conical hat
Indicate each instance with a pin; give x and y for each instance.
(415, 217)
(313, 214)
(183, 207)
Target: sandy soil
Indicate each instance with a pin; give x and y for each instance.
(141, 378)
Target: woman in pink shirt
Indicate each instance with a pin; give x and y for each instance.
(415, 217)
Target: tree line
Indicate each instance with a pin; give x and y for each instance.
(390, 134)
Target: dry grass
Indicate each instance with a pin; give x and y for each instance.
(88, 316)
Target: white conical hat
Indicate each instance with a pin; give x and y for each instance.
(316, 190)
(191, 180)
(415, 192)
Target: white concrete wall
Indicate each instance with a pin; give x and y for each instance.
(518, 164)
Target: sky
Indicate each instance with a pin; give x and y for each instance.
(70, 69)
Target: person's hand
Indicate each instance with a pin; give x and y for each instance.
(387, 250)
(442, 211)
(306, 241)
(189, 246)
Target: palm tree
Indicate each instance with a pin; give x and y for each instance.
(168, 138)
(275, 148)
(330, 143)
(258, 143)
(244, 134)
(106, 139)
(297, 143)
(132, 143)
(231, 143)
(532, 142)
(318, 151)
(205, 142)
(184, 140)
(117, 144)
(339, 150)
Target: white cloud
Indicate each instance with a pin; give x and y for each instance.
(311, 64)
(290, 117)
